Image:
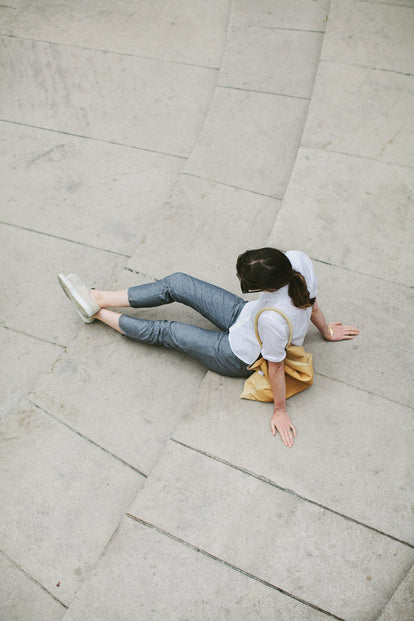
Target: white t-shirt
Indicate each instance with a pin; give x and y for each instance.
(273, 329)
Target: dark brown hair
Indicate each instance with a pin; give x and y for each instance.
(267, 269)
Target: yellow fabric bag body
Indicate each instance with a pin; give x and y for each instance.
(298, 368)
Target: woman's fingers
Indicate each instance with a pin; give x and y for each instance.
(341, 332)
(287, 435)
(288, 438)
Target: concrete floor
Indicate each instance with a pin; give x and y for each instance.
(145, 137)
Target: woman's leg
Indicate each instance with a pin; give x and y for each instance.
(216, 304)
(210, 347)
(110, 318)
(109, 298)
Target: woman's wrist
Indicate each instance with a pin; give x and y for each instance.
(327, 333)
(281, 408)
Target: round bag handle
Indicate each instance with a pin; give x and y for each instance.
(272, 308)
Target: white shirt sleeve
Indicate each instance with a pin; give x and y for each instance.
(274, 334)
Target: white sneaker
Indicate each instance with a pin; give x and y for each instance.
(79, 295)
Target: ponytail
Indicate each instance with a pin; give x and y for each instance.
(298, 291)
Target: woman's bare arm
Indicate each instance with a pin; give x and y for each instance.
(280, 420)
(333, 331)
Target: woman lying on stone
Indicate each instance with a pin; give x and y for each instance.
(285, 281)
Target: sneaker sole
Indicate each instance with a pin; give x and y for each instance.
(76, 300)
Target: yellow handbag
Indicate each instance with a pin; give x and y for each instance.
(298, 368)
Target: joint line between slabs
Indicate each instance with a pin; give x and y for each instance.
(78, 433)
(339, 62)
(93, 139)
(231, 566)
(271, 94)
(113, 52)
(240, 26)
(66, 239)
(288, 491)
(369, 392)
(229, 185)
(31, 577)
(34, 337)
(407, 6)
(358, 156)
(129, 269)
(354, 271)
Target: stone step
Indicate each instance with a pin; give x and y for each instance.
(271, 534)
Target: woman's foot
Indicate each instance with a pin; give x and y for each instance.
(79, 295)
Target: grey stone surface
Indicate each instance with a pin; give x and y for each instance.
(401, 604)
(237, 144)
(297, 14)
(272, 534)
(372, 117)
(62, 497)
(140, 562)
(333, 200)
(189, 31)
(371, 34)
(38, 306)
(202, 228)
(102, 96)
(336, 460)
(97, 194)
(271, 60)
(24, 360)
(22, 599)
(121, 387)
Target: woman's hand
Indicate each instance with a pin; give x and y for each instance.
(334, 331)
(337, 332)
(281, 422)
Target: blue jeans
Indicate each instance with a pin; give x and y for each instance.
(211, 347)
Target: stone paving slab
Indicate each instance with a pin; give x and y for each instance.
(38, 307)
(62, 499)
(102, 95)
(272, 534)
(237, 144)
(188, 31)
(97, 194)
(372, 117)
(22, 599)
(24, 360)
(371, 34)
(347, 207)
(401, 604)
(140, 562)
(339, 431)
(202, 229)
(297, 14)
(129, 397)
(250, 54)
